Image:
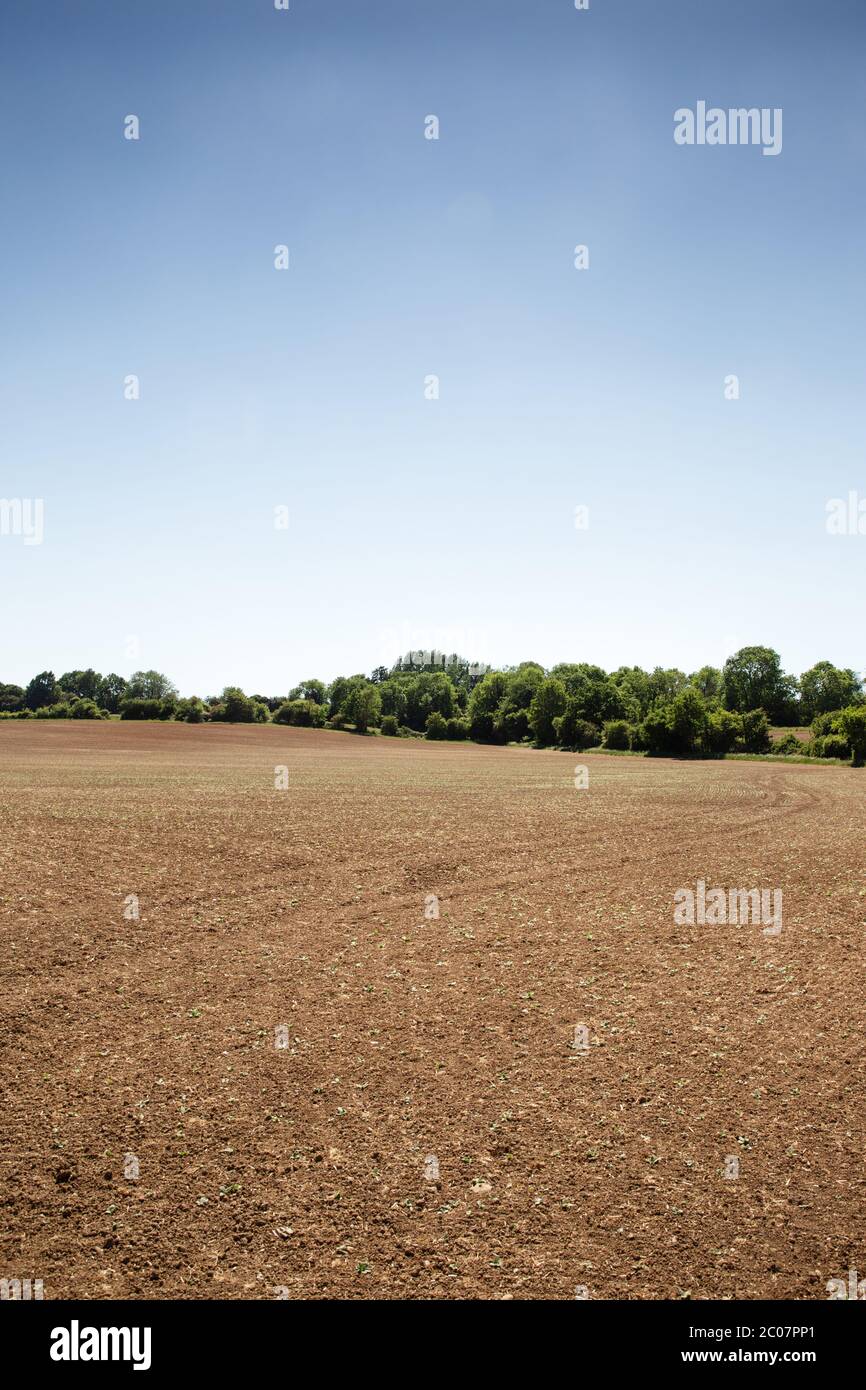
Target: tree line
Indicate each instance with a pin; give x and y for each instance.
(575, 706)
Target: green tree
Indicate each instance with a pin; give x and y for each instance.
(85, 709)
(853, 723)
(655, 731)
(84, 684)
(304, 713)
(723, 729)
(309, 690)
(575, 675)
(598, 697)
(511, 721)
(149, 685)
(522, 684)
(112, 689)
(437, 727)
(756, 731)
(754, 679)
(337, 692)
(426, 692)
(11, 697)
(237, 708)
(688, 721)
(827, 687)
(393, 696)
(42, 690)
(548, 703)
(191, 710)
(708, 680)
(665, 684)
(617, 734)
(572, 730)
(484, 703)
(362, 706)
(635, 685)
(135, 707)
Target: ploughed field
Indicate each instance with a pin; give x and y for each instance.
(281, 1043)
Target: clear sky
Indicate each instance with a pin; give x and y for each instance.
(416, 522)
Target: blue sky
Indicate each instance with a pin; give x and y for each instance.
(418, 522)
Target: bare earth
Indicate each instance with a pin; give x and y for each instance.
(301, 1168)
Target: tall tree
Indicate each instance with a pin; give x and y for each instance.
(149, 685)
(484, 703)
(754, 679)
(548, 703)
(11, 697)
(41, 691)
(827, 687)
(363, 705)
(84, 684)
(111, 691)
(708, 681)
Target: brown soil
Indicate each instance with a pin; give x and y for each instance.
(302, 1168)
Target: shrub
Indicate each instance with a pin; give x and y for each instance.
(457, 729)
(723, 729)
(87, 709)
(827, 723)
(655, 731)
(261, 713)
(389, 726)
(835, 746)
(191, 711)
(139, 707)
(511, 725)
(616, 734)
(573, 732)
(436, 726)
(853, 722)
(303, 713)
(789, 744)
(756, 732)
(59, 711)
